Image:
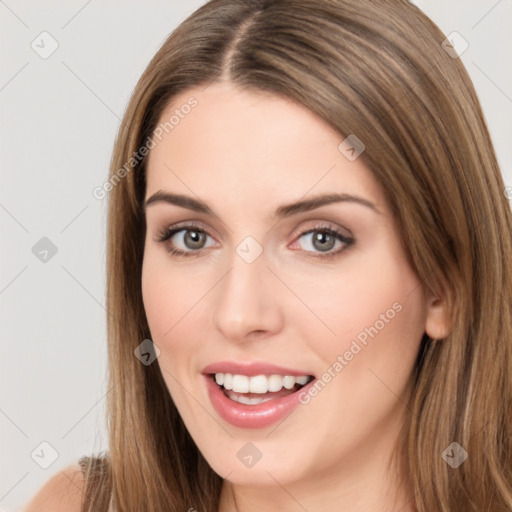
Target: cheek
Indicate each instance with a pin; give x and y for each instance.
(175, 301)
(166, 303)
(370, 302)
(168, 296)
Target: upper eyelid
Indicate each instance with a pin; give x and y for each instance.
(182, 226)
(319, 224)
(325, 224)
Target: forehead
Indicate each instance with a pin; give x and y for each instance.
(249, 147)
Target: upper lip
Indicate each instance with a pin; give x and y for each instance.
(252, 368)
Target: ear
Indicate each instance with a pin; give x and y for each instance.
(437, 324)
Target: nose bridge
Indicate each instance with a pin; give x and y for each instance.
(245, 300)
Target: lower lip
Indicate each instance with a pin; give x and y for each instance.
(252, 416)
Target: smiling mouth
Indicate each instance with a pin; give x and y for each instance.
(260, 388)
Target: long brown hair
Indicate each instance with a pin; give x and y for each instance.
(376, 69)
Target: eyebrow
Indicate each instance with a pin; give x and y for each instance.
(283, 211)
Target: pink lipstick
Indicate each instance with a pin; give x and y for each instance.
(254, 394)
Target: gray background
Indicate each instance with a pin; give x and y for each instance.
(60, 116)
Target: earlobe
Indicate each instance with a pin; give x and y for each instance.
(437, 325)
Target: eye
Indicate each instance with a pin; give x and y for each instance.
(322, 240)
(191, 240)
(186, 240)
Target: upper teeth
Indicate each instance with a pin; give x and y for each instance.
(258, 383)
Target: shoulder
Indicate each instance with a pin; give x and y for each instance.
(63, 492)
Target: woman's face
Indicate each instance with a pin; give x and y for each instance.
(265, 295)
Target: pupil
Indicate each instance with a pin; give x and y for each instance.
(194, 239)
(321, 237)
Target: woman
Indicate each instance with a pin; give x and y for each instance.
(309, 272)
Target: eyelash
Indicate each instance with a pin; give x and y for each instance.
(164, 235)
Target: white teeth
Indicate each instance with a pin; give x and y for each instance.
(240, 383)
(259, 383)
(301, 380)
(275, 383)
(289, 382)
(228, 380)
(245, 400)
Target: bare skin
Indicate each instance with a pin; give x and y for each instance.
(245, 154)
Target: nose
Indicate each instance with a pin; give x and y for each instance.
(247, 302)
